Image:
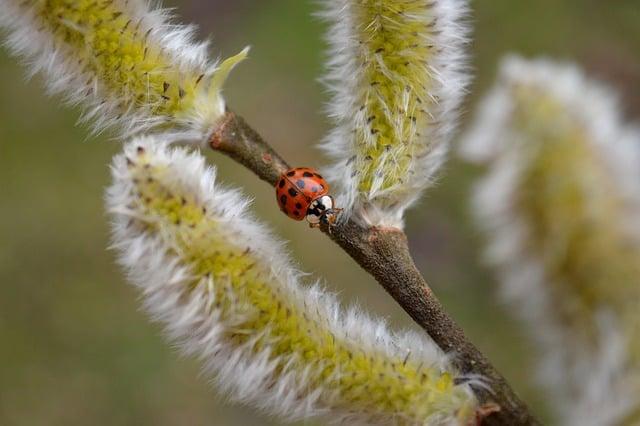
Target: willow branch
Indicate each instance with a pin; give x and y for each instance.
(384, 253)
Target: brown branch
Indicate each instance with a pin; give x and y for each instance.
(384, 253)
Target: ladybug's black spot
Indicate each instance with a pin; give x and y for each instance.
(293, 192)
(283, 199)
(281, 183)
(315, 189)
(297, 213)
(300, 184)
(318, 176)
(307, 174)
(298, 206)
(291, 173)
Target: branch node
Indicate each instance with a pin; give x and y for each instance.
(486, 410)
(217, 137)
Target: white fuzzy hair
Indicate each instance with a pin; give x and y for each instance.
(246, 373)
(589, 386)
(64, 74)
(449, 77)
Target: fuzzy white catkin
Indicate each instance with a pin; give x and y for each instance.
(397, 74)
(226, 292)
(124, 61)
(560, 207)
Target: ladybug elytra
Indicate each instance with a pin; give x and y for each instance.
(303, 194)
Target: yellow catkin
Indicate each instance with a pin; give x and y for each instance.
(125, 62)
(247, 294)
(575, 213)
(395, 53)
(396, 73)
(116, 48)
(559, 207)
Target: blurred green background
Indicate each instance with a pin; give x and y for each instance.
(75, 348)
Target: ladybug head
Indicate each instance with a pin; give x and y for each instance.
(321, 211)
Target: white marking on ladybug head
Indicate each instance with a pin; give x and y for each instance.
(313, 219)
(318, 208)
(327, 202)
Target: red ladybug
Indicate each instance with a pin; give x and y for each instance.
(303, 193)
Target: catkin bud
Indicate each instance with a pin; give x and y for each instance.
(561, 210)
(125, 62)
(396, 71)
(226, 292)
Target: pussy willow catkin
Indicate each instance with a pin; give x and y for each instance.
(561, 208)
(124, 61)
(226, 292)
(396, 73)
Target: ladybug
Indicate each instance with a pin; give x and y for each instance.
(303, 194)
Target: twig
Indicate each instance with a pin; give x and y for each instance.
(384, 253)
